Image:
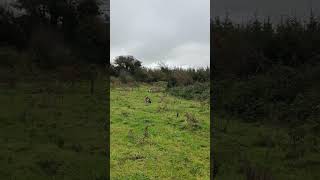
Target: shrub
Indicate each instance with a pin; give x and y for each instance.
(125, 77)
(199, 91)
(192, 122)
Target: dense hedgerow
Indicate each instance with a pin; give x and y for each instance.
(55, 33)
(199, 91)
(188, 83)
(272, 73)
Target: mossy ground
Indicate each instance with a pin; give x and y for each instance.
(170, 148)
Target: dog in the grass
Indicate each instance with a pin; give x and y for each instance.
(147, 100)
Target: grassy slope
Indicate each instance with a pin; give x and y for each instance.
(172, 150)
(44, 138)
(265, 149)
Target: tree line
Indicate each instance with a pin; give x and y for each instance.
(273, 72)
(52, 33)
(190, 83)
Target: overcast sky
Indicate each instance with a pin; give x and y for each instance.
(242, 10)
(172, 31)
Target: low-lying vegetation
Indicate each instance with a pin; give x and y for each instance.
(158, 140)
(45, 137)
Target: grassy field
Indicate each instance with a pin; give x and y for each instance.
(51, 131)
(249, 151)
(149, 141)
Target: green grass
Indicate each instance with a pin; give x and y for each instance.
(263, 148)
(171, 148)
(45, 137)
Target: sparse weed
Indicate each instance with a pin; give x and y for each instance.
(162, 108)
(125, 114)
(145, 136)
(131, 136)
(191, 121)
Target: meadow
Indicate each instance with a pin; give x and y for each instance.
(166, 139)
(53, 130)
(251, 151)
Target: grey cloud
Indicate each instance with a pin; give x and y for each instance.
(173, 31)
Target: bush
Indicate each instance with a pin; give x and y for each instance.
(125, 77)
(198, 91)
